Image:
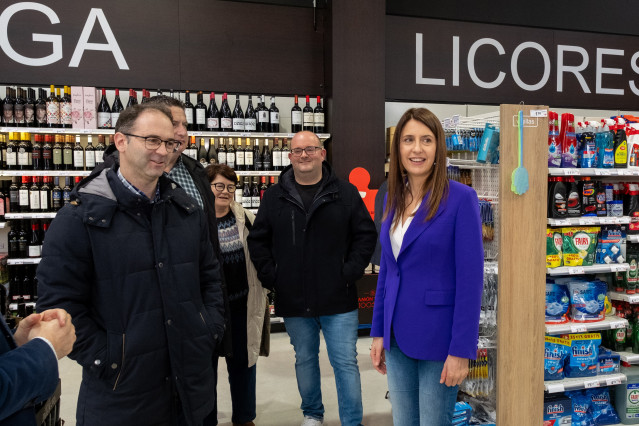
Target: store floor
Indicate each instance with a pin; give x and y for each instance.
(278, 400)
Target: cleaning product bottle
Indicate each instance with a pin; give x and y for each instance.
(609, 152)
(588, 197)
(559, 196)
(621, 145)
(588, 149)
(600, 197)
(569, 155)
(573, 203)
(627, 396)
(579, 130)
(554, 144)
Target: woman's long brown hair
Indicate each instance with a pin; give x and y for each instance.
(436, 183)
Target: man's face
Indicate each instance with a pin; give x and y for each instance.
(305, 163)
(146, 165)
(179, 127)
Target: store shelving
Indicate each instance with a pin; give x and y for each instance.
(590, 221)
(594, 269)
(569, 384)
(44, 173)
(632, 238)
(630, 298)
(24, 261)
(610, 322)
(50, 215)
(258, 173)
(592, 172)
(629, 357)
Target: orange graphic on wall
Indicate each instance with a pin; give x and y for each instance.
(360, 177)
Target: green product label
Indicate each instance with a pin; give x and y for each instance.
(68, 156)
(632, 401)
(57, 156)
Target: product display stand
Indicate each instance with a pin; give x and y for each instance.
(522, 269)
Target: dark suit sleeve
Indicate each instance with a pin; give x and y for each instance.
(363, 238)
(469, 276)
(260, 244)
(211, 281)
(28, 374)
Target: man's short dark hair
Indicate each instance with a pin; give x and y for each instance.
(128, 117)
(166, 101)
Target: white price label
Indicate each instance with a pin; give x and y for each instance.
(539, 113)
(602, 172)
(571, 172)
(613, 381)
(223, 134)
(615, 325)
(290, 135)
(623, 172)
(617, 268)
(576, 271)
(269, 135)
(195, 133)
(555, 387)
(17, 216)
(245, 134)
(454, 120)
(606, 220)
(562, 222)
(18, 262)
(87, 131)
(587, 221)
(591, 384)
(578, 329)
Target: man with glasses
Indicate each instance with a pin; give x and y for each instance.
(311, 241)
(130, 259)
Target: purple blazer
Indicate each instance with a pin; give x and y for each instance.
(431, 296)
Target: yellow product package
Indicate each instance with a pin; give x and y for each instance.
(579, 245)
(554, 242)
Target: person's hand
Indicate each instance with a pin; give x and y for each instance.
(55, 325)
(377, 354)
(21, 336)
(455, 371)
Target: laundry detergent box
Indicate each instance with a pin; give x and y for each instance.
(557, 411)
(554, 242)
(579, 246)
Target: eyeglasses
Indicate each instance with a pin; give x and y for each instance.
(220, 187)
(153, 142)
(309, 150)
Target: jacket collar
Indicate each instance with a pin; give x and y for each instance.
(328, 183)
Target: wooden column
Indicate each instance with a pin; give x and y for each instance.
(355, 78)
(522, 272)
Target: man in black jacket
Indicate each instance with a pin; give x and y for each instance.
(312, 239)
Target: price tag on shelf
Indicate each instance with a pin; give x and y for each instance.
(619, 324)
(625, 172)
(245, 134)
(223, 134)
(606, 220)
(572, 172)
(587, 221)
(18, 262)
(555, 387)
(269, 135)
(578, 329)
(613, 381)
(87, 131)
(589, 384)
(602, 172)
(561, 222)
(539, 113)
(454, 120)
(576, 271)
(617, 268)
(290, 135)
(16, 216)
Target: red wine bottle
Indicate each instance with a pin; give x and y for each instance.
(296, 117)
(274, 115)
(36, 152)
(226, 119)
(213, 116)
(53, 109)
(263, 123)
(89, 153)
(104, 112)
(188, 110)
(78, 155)
(133, 98)
(318, 117)
(308, 115)
(66, 119)
(45, 194)
(18, 108)
(238, 116)
(34, 247)
(29, 109)
(41, 109)
(7, 109)
(47, 153)
(200, 113)
(250, 118)
(116, 109)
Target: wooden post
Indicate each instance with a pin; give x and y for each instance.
(522, 270)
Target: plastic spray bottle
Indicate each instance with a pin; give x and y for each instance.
(621, 145)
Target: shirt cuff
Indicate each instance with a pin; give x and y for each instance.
(50, 345)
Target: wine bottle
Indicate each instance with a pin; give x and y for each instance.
(188, 110)
(12, 236)
(23, 193)
(226, 119)
(318, 117)
(248, 156)
(213, 116)
(250, 118)
(36, 152)
(230, 154)
(246, 194)
(57, 153)
(66, 119)
(240, 157)
(41, 109)
(296, 117)
(133, 98)
(116, 108)
(34, 247)
(267, 158)
(18, 108)
(257, 156)
(67, 152)
(274, 115)
(263, 187)
(192, 148)
(66, 191)
(89, 153)
(271, 181)
(238, 116)
(29, 109)
(46, 162)
(146, 96)
(3, 152)
(263, 123)
(255, 195)
(7, 108)
(308, 115)
(200, 113)
(201, 154)
(286, 161)
(53, 109)
(24, 150)
(104, 112)
(78, 155)
(221, 152)
(23, 240)
(238, 191)
(12, 151)
(34, 195)
(45, 194)
(56, 194)
(14, 195)
(276, 154)
(211, 156)
(99, 150)
(3, 202)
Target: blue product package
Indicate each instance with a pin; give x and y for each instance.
(581, 409)
(557, 303)
(583, 360)
(556, 352)
(608, 362)
(486, 141)
(602, 410)
(611, 245)
(557, 410)
(587, 300)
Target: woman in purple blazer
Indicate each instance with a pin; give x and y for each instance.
(428, 299)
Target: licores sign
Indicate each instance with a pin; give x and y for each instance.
(95, 18)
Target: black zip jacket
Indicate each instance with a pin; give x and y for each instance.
(312, 259)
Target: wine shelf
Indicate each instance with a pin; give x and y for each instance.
(44, 173)
(50, 215)
(24, 261)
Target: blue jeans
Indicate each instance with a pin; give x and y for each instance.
(340, 334)
(417, 397)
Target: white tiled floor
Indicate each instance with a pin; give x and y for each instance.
(278, 400)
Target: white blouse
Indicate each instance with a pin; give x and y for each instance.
(397, 234)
